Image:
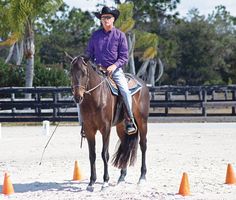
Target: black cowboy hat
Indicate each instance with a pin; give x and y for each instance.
(107, 10)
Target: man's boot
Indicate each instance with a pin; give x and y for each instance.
(131, 127)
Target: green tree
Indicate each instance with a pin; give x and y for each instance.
(151, 17)
(141, 44)
(76, 26)
(20, 17)
(11, 75)
(50, 75)
(204, 49)
(225, 45)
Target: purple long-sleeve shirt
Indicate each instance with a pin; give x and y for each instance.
(107, 48)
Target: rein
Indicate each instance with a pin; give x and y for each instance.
(89, 91)
(94, 88)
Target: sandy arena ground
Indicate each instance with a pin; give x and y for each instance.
(203, 150)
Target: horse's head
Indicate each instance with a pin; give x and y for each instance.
(79, 77)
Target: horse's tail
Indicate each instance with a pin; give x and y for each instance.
(127, 152)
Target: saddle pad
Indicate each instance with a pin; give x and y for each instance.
(133, 84)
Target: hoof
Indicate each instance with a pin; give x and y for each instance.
(121, 180)
(90, 188)
(142, 182)
(104, 186)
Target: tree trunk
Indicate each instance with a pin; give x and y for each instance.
(29, 73)
(161, 70)
(131, 43)
(19, 52)
(16, 53)
(151, 72)
(10, 53)
(143, 68)
(29, 49)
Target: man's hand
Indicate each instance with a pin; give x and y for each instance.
(111, 69)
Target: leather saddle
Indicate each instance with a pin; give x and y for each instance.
(133, 84)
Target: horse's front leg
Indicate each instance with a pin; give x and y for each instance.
(143, 146)
(92, 158)
(105, 156)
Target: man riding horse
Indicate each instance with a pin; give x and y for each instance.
(108, 48)
(101, 109)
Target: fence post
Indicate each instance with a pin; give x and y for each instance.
(166, 99)
(152, 95)
(38, 100)
(234, 99)
(226, 94)
(186, 95)
(213, 95)
(200, 94)
(55, 114)
(204, 100)
(13, 108)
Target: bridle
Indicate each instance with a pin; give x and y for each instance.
(84, 87)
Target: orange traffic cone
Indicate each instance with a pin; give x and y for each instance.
(184, 188)
(230, 177)
(77, 176)
(7, 187)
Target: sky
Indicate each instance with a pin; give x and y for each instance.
(204, 6)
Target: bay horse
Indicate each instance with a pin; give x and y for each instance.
(98, 107)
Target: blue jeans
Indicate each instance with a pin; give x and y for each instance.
(119, 78)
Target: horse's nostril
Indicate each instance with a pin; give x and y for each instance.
(79, 99)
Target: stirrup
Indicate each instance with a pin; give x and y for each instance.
(82, 132)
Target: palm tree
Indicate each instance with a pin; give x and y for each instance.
(126, 23)
(19, 19)
(141, 44)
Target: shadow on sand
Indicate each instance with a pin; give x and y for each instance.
(71, 186)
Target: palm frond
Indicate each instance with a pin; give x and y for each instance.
(149, 53)
(127, 25)
(145, 39)
(11, 40)
(126, 15)
(22, 13)
(19, 13)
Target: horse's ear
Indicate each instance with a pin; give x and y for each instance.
(86, 58)
(68, 56)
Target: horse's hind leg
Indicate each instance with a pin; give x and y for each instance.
(121, 133)
(123, 173)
